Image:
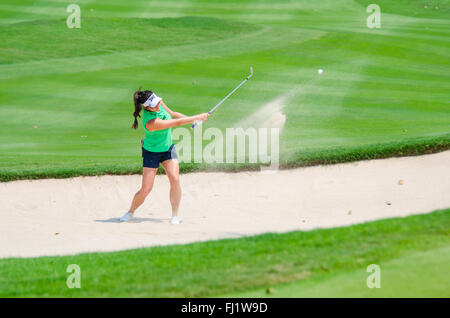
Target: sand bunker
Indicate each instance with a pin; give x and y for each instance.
(67, 216)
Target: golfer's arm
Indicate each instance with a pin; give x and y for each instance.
(160, 124)
(177, 115)
(171, 112)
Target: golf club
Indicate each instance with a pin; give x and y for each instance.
(226, 97)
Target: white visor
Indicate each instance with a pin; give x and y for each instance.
(152, 101)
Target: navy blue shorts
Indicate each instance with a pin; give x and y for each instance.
(152, 159)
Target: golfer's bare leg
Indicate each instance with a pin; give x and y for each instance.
(148, 178)
(173, 172)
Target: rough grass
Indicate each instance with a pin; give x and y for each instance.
(402, 277)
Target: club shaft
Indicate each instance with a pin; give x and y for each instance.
(231, 93)
(226, 97)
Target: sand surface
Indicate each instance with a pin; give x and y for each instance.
(68, 216)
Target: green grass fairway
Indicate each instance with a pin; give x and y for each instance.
(412, 251)
(384, 92)
(423, 274)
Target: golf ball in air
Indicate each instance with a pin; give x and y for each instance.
(320, 71)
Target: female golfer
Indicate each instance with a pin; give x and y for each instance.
(157, 147)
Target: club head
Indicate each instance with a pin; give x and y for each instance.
(251, 72)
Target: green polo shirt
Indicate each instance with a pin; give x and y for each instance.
(159, 140)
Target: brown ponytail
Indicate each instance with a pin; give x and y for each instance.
(139, 97)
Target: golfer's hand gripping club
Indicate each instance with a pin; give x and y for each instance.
(199, 122)
(226, 97)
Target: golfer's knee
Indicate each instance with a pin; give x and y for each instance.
(175, 181)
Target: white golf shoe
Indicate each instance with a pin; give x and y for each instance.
(126, 217)
(175, 220)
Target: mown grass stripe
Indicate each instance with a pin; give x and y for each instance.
(375, 90)
(226, 47)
